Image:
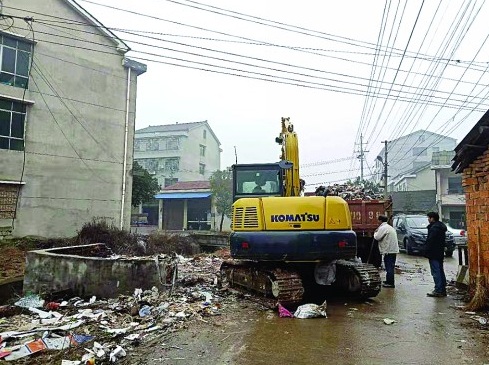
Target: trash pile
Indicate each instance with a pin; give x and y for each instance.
(93, 330)
(305, 311)
(350, 191)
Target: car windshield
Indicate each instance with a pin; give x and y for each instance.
(417, 222)
(258, 182)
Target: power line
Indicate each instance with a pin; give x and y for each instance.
(332, 181)
(75, 22)
(407, 114)
(293, 81)
(400, 62)
(326, 173)
(327, 162)
(246, 64)
(478, 51)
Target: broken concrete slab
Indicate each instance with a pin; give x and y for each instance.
(88, 270)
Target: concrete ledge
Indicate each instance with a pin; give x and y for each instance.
(462, 280)
(89, 270)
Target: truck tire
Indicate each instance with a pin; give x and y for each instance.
(407, 246)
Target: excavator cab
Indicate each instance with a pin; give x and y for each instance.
(257, 180)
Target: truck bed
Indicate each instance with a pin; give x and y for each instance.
(364, 214)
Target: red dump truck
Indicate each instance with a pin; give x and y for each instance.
(364, 214)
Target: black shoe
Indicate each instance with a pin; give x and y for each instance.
(435, 294)
(385, 285)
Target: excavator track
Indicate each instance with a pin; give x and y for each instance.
(359, 280)
(272, 284)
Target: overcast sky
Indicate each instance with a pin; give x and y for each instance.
(431, 52)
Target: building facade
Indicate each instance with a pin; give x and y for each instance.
(178, 152)
(411, 152)
(450, 197)
(67, 113)
(422, 178)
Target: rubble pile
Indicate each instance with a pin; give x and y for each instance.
(350, 191)
(93, 330)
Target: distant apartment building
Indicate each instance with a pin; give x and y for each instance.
(410, 153)
(178, 152)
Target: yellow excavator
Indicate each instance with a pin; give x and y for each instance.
(284, 245)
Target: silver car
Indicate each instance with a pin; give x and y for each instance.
(459, 235)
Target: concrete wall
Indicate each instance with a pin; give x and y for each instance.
(425, 180)
(78, 269)
(74, 144)
(476, 184)
(420, 180)
(191, 158)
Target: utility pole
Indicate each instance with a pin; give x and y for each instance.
(385, 170)
(361, 157)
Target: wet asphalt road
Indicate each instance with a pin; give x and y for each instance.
(427, 331)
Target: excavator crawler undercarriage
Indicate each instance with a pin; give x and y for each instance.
(285, 285)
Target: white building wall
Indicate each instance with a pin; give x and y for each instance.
(185, 148)
(74, 143)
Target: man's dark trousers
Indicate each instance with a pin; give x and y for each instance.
(438, 274)
(390, 263)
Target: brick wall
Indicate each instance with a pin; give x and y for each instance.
(8, 200)
(476, 184)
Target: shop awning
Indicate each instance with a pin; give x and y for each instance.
(189, 195)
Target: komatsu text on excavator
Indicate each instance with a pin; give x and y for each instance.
(284, 245)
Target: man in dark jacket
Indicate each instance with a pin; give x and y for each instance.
(435, 251)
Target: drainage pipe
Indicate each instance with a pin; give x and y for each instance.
(126, 134)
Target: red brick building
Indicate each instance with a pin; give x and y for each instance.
(472, 160)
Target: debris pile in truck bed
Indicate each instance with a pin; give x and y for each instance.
(350, 191)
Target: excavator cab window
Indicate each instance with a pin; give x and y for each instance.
(257, 180)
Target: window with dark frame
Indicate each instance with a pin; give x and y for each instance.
(455, 185)
(15, 61)
(12, 120)
(170, 181)
(172, 144)
(172, 164)
(202, 150)
(202, 169)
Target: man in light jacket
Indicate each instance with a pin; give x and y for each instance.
(387, 237)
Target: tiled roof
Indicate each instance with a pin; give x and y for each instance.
(189, 186)
(473, 145)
